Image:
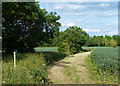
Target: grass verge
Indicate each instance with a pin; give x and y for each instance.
(30, 67)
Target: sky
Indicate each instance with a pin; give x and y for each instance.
(96, 18)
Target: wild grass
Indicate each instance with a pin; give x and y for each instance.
(72, 73)
(31, 70)
(30, 67)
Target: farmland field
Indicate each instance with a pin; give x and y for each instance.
(94, 47)
(40, 49)
(106, 61)
(106, 58)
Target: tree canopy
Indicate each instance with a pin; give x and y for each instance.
(72, 39)
(26, 26)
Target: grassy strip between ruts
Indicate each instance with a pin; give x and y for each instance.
(72, 73)
(96, 77)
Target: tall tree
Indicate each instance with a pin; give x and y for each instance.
(52, 28)
(26, 25)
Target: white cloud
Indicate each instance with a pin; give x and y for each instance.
(99, 5)
(92, 30)
(77, 0)
(103, 5)
(58, 6)
(112, 13)
(68, 6)
(76, 14)
(105, 13)
(76, 7)
(82, 21)
(112, 33)
(68, 24)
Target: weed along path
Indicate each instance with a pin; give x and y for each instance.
(70, 70)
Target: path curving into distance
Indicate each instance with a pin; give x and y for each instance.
(70, 70)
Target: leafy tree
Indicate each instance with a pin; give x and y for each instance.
(113, 43)
(52, 28)
(117, 39)
(72, 39)
(27, 26)
(108, 37)
(90, 42)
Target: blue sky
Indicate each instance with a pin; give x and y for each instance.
(96, 18)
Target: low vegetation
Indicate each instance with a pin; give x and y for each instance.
(28, 28)
(72, 73)
(103, 65)
(106, 60)
(31, 68)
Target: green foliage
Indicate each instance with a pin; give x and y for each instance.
(52, 57)
(30, 68)
(103, 41)
(106, 60)
(98, 41)
(27, 26)
(72, 39)
(113, 43)
(117, 39)
(108, 37)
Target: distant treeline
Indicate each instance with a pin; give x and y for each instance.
(106, 41)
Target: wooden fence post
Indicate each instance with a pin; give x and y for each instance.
(15, 55)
